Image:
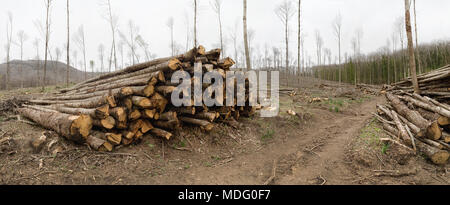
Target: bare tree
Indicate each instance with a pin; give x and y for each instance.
(22, 37)
(400, 24)
(101, 56)
(417, 41)
(47, 37)
(337, 27)
(9, 31)
(188, 30)
(285, 12)
(68, 45)
(247, 54)
(319, 44)
(195, 23)
(120, 48)
(112, 20)
(234, 38)
(299, 39)
(80, 40)
(144, 46)
(55, 64)
(412, 59)
(131, 42)
(170, 23)
(36, 46)
(92, 64)
(217, 7)
(354, 43)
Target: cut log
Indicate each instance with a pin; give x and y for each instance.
(134, 115)
(161, 133)
(144, 91)
(146, 126)
(141, 102)
(128, 103)
(437, 156)
(107, 147)
(443, 121)
(185, 110)
(446, 137)
(119, 114)
(165, 90)
(128, 135)
(149, 113)
(107, 123)
(434, 108)
(402, 133)
(168, 125)
(169, 116)
(95, 142)
(210, 116)
(159, 102)
(204, 125)
(113, 138)
(74, 128)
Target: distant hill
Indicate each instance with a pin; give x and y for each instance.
(56, 73)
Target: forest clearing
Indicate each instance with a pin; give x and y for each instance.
(256, 112)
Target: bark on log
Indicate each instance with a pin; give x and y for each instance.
(74, 128)
(204, 125)
(161, 133)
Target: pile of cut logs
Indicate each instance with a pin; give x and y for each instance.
(119, 108)
(434, 84)
(421, 122)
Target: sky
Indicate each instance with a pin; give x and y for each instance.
(375, 18)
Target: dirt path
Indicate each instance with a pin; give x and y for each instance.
(315, 155)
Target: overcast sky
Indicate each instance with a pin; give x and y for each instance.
(376, 18)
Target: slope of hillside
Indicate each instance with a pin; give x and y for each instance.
(31, 69)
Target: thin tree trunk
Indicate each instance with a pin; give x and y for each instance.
(412, 59)
(46, 46)
(247, 54)
(299, 35)
(195, 23)
(417, 41)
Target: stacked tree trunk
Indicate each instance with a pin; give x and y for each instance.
(434, 84)
(119, 108)
(419, 122)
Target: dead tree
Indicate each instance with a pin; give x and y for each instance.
(170, 23)
(299, 39)
(217, 7)
(80, 40)
(9, 32)
(101, 56)
(144, 46)
(417, 41)
(412, 59)
(112, 20)
(195, 23)
(22, 37)
(47, 36)
(68, 46)
(285, 12)
(247, 53)
(337, 27)
(131, 42)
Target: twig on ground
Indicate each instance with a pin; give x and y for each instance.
(274, 171)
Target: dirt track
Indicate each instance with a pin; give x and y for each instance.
(330, 147)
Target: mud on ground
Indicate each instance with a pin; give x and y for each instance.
(333, 140)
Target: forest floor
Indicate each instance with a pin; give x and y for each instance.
(334, 139)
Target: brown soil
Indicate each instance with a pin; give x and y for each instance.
(336, 142)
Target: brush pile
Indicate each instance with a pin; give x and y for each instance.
(119, 108)
(421, 122)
